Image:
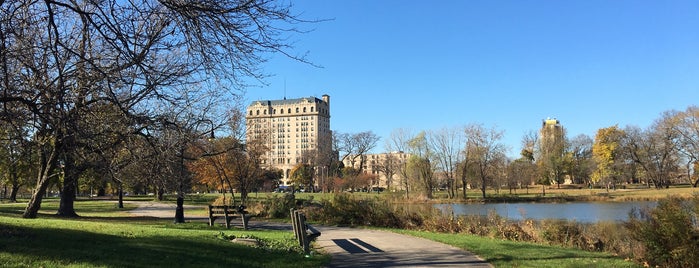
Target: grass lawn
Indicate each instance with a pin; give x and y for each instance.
(503, 253)
(106, 237)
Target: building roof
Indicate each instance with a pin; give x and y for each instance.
(287, 101)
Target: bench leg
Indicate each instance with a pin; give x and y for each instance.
(246, 219)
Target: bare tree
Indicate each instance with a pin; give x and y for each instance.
(389, 165)
(446, 145)
(581, 164)
(485, 152)
(654, 150)
(398, 142)
(356, 146)
(523, 172)
(687, 127)
(420, 167)
(61, 60)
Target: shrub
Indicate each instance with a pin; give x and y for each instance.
(279, 206)
(443, 223)
(346, 209)
(668, 232)
(223, 200)
(561, 232)
(608, 236)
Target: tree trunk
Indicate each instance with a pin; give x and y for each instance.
(179, 211)
(121, 195)
(463, 184)
(483, 180)
(243, 196)
(48, 163)
(13, 193)
(35, 202)
(66, 206)
(160, 194)
(14, 181)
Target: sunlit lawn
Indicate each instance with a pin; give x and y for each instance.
(107, 237)
(503, 253)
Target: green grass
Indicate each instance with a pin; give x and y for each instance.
(503, 253)
(106, 237)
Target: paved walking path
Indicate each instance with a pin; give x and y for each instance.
(356, 247)
(161, 210)
(352, 247)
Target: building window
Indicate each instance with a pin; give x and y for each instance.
(281, 111)
(250, 112)
(312, 109)
(258, 112)
(304, 109)
(289, 111)
(297, 109)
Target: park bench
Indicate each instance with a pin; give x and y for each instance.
(304, 232)
(228, 213)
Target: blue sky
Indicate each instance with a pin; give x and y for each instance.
(425, 65)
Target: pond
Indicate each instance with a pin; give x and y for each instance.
(587, 212)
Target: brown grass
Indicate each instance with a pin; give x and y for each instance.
(552, 193)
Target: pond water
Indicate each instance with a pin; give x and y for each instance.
(588, 212)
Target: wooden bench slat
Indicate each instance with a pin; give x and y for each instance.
(227, 212)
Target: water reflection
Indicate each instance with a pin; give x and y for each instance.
(587, 212)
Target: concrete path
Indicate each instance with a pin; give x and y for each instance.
(161, 210)
(355, 247)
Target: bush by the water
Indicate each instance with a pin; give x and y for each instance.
(346, 209)
(668, 232)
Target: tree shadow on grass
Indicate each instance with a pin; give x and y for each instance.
(132, 249)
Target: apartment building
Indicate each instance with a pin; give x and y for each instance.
(379, 165)
(294, 130)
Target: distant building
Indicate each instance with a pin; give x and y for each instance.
(379, 164)
(551, 134)
(552, 150)
(294, 130)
